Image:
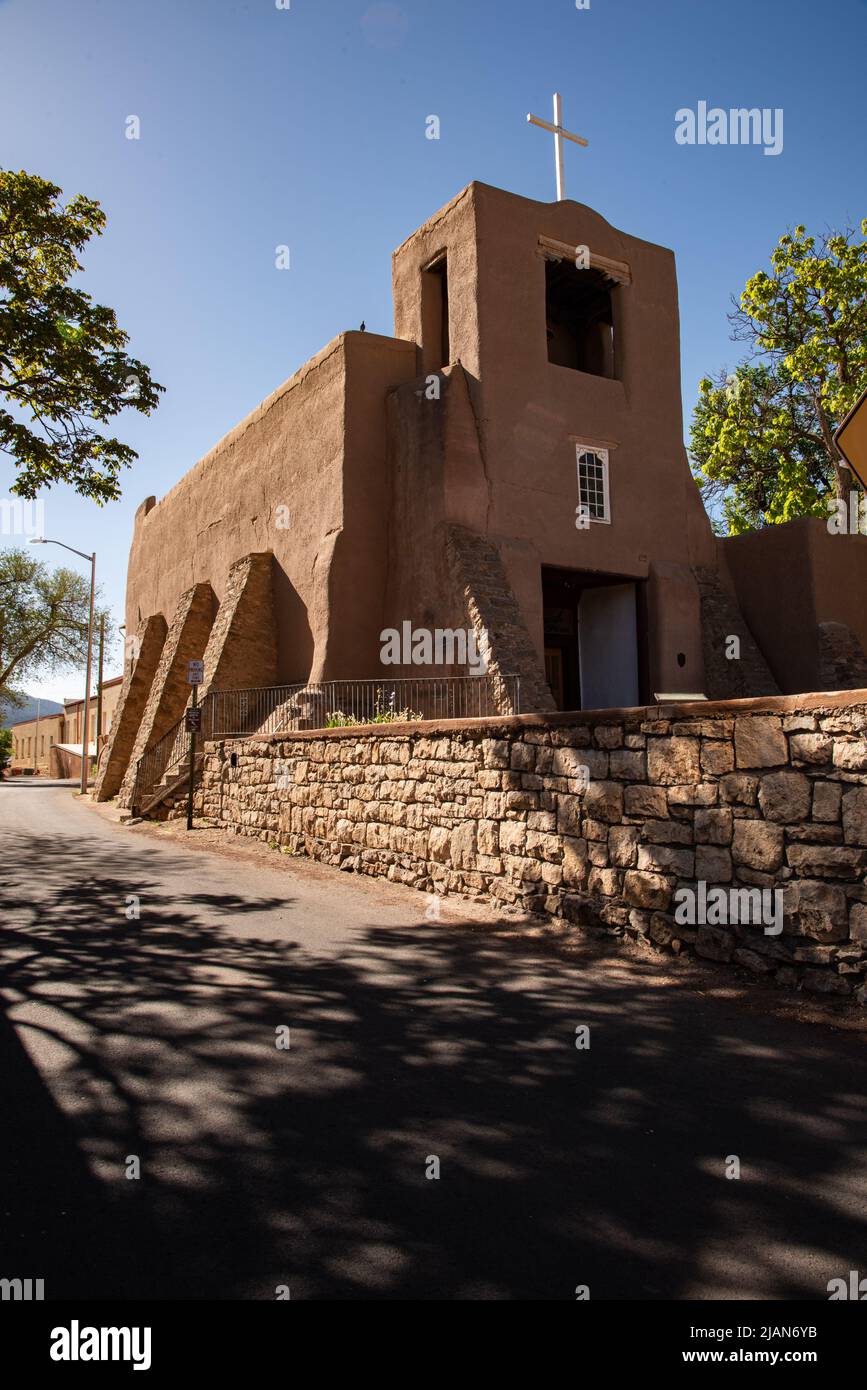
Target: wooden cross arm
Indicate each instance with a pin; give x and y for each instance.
(557, 130)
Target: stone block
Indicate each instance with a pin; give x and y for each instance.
(758, 845)
(496, 753)
(513, 837)
(661, 929)
(858, 923)
(626, 764)
(855, 816)
(439, 843)
(540, 845)
(713, 827)
(851, 754)
(570, 814)
(824, 982)
(673, 761)
(826, 801)
(463, 845)
(604, 801)
(814, 749)
(606, 882)
(739, 789)
(574, 861)
(785, 797)
(713, 864)
(814, 834)
(608, 735)
(521, 800)
(815, 909)
(487, 836)
(623, 845)
(827, 861)
(572, 762)
(666, 859)
(667, 832)
(523, 757)
(645, 801)
(717, 757)
(760, 741)
(694, 794)
(648, 890)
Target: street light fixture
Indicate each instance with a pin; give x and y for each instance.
(85, 742)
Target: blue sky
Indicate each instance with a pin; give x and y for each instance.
(306, 127)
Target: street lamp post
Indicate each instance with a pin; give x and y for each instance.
(85, 741)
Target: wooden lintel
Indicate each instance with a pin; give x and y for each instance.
(562, 251)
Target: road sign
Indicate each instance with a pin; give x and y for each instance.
(851, 439)
(195, 672)
(194, 719)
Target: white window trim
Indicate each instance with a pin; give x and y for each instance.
(602, 455)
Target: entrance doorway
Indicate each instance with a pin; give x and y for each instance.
(594, 639)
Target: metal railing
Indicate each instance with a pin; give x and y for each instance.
(335, 703)
(329, 704)
(166, 758)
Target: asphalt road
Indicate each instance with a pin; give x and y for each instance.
(154, 1038)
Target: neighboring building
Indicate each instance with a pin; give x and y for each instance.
(51, 744)
(33, 740)
(511, 463)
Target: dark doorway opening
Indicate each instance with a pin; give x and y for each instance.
(579, 318)
(435, 315)
(595, 632)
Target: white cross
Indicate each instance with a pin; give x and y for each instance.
(559, 136)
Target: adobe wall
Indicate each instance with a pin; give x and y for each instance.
(292, 451)
(791, 578)
(529, 413)
(750, 794)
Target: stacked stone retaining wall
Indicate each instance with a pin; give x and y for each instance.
(602, 818)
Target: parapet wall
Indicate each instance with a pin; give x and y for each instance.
(602, 818)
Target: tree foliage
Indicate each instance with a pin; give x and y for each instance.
(762, 437)
(63, 368)
(43, 620)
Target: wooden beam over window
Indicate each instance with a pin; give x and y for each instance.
(562, 251)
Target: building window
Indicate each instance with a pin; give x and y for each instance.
(435, 315)
(593, 492)
(579, 318)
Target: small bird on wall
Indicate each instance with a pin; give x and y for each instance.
(363, 328)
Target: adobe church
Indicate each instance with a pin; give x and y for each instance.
(512, 463)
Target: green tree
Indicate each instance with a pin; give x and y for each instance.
(43, 620)
(63, 368)
(762, 437)
(5, 750)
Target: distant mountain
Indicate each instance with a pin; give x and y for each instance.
(13, 714)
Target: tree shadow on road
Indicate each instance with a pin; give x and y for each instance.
(307, 1167)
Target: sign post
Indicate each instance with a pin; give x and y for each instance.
(195, 676)
(851, 439)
